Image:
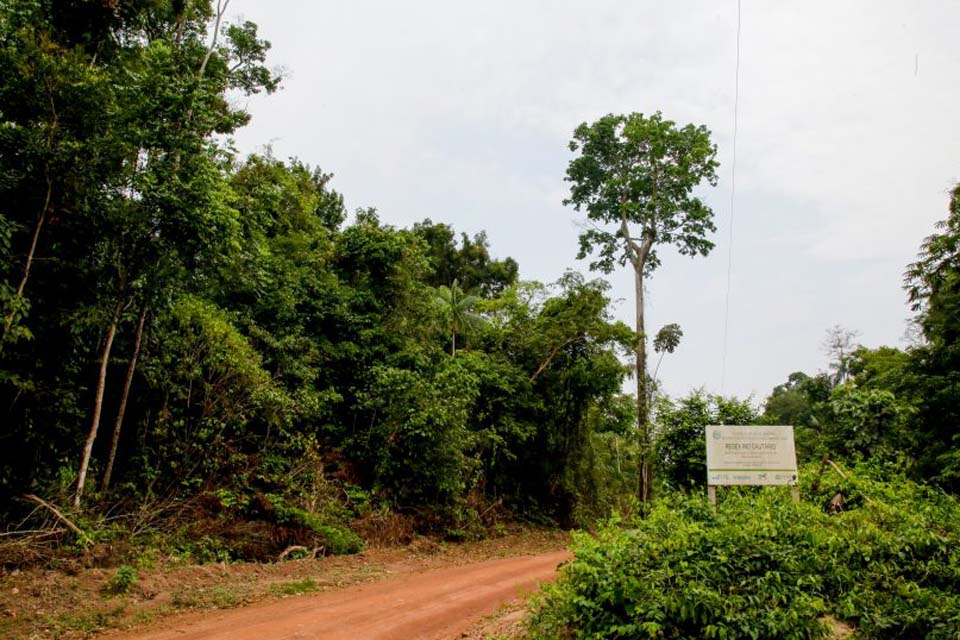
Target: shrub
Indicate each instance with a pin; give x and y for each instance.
(121, 581)
(764, 567)
(337, 539)
(340, 540)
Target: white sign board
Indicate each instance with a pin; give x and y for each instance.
(754, 455)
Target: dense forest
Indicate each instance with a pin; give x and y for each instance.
(202, 346)
(184, 324)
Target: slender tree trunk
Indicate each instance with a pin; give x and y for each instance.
(638, 255)
(221, 10)
(127, 382)
(643, 410)
(41, 219)
(97, 404)
(453, 338)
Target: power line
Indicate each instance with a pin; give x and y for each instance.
(733, 192)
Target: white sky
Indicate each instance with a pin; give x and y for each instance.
(461, 112)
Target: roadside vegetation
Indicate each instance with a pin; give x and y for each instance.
(762, 566)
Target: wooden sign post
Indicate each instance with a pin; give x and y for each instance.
(750, 455)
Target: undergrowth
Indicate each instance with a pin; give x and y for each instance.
(121, 581)
(762, 566)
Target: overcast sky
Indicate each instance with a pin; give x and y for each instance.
(849, 138)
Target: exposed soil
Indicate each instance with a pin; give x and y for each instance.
(47, 604)
(506, 623)
(431, 605)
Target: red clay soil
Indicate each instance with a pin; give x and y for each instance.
(433, 605)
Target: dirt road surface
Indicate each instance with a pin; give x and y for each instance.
(434, 605)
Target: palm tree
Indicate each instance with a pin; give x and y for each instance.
(459, 307)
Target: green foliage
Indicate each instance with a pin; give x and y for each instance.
(614, 464)
(865, 421)
(868, 416)
(933, 383)
(296, 588)
(421, 431)
(887, 402)
(680, 573)
(933, 281)
(764, 567)
(468, 262)
(892, 559)
(335, 538)
(668, 338)
(284, 354)
(859, 418)
(339, 539)
(641, 170)
(680, 432)
(203, 549)
(213, 384)
(458, 311)
(121, 581)
(802, 401)
(567, 344)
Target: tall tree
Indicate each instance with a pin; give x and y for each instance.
(839, 344)
(159, 210)
(666, 341)
(634, 176)
(56, 146)
(933, 287)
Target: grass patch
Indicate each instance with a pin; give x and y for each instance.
(88, 622)
(296, 588)
(212, 598)
(223, 597)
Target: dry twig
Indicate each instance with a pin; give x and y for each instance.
(59, 515)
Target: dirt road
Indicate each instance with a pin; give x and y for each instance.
(432, 605)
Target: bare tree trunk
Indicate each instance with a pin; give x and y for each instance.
(638, 255)
(97, 404)
(553, 354)
(643, 410)
(221, 10)
(127, 382)
(41, 219)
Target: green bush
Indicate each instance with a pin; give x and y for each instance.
(121, 581)
(337, 539)
(764, 567)
(340, 540)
